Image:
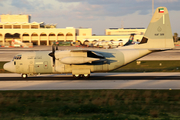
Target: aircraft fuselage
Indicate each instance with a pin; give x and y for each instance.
(41, 63)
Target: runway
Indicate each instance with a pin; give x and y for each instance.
(151, 80)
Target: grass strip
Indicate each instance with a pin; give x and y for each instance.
(90, 104)
(1, 67)
(151, 66)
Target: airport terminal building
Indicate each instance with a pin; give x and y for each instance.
(19, 27)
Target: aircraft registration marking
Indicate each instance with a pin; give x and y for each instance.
(36, 57)
(157, 34)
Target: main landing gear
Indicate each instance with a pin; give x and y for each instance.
(24, 76)
(77, 76)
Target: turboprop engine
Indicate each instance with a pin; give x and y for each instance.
(78, 60)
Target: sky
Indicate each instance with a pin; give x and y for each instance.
(96, 14)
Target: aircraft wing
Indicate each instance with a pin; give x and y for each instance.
(90, 52)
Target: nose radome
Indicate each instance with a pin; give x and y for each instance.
(9, 67)
(6, 66)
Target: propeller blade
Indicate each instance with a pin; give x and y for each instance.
(54, 60)
(53, 55)
(53, 49)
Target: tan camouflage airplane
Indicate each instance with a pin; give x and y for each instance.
(81, 63)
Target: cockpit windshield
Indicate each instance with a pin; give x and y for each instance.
(17, 57)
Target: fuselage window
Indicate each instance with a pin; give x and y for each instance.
(18, 57)
(14, 62)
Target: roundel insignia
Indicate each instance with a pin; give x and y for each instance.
(159, 29)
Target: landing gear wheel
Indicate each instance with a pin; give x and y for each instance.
(76, 76)
(24, 76)
(86, 75)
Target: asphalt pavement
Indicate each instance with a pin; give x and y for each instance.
(151, 80)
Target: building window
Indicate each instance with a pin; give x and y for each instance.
(34, 34)
(16, 26)
(25, 34)
(8, 26)
(52, 34)
(16, 36)
(34, 26)
(1, 26)
(25, 27)
(69, 34)
(43, 34)
(60, 34)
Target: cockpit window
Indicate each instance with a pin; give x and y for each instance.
(17, 57)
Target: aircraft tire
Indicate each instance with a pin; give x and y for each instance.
(86, 75)
(24, 76)
(76, 76)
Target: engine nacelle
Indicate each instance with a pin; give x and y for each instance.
(78, 60)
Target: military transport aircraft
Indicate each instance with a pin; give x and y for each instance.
(81, 63)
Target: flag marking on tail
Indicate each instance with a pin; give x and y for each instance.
(161, 10)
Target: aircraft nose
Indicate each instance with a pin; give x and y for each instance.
(9, 67)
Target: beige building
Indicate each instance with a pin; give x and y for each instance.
(139, 32)
(19, 27)
(125, 31)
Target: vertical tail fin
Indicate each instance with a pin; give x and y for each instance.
(131, 38)
(158, 34)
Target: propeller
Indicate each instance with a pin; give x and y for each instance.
(52, 54)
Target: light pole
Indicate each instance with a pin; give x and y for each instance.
(152, 7)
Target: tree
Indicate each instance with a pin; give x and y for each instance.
(175, 37)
